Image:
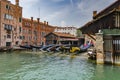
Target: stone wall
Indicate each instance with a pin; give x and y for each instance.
(99, 48)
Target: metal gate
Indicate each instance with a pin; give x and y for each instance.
(112, 49)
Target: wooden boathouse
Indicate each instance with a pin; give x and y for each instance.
(104, 29)
(61, 38)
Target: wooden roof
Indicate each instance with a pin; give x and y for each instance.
(61, 35)
(104, 19)
(92, 21)
(114, 5)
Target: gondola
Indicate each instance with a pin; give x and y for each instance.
(44, 48)
(53, 48)
(26, 46)
(37, 47)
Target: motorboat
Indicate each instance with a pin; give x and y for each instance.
(74, 49)
(92, 54)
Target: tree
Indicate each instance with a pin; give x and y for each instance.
(79, 33)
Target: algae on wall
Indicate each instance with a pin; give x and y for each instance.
(111, 31)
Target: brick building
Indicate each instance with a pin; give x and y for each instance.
(34, 31)
(10, 23)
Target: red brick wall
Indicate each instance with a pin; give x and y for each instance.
(38, 30)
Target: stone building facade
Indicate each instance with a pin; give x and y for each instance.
(10, 23)
(68, 30)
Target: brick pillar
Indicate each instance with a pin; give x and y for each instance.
(99, 48)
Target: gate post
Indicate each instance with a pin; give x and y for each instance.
(99, 48)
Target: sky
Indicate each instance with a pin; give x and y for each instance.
(63, 12)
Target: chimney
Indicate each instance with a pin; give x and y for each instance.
(94, 14)
(17, 2)
(44, 22)
(47, 23)
(31, 18)
(38, 19)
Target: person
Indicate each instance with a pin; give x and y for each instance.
(92, 43)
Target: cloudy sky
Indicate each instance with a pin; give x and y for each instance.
(63, 12)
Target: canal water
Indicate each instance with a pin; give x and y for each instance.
(22, 66)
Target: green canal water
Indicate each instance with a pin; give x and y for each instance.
(21, 66)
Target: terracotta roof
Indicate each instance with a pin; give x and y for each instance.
(65, 27)
(35, 21)
(63, 34)
(30, 20)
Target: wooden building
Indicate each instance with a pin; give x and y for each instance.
(108, 18)
(104, 29)
(60, 38)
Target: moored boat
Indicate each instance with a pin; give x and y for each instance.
(26, 46)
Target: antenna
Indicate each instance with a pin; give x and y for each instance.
(39, 12)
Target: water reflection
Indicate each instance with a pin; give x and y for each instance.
(106, 72)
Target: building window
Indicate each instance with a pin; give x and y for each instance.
(35, 33)
(20, 29)
(8, 44)
(20, 19)
(8, 27)
(43, 34)
(27, 24)
(8, 16)
(35, 38)
(21, 37)
(8, 36)
(16, 42)
(8, 7)
(30, 32)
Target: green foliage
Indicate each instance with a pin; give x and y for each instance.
(79, 33)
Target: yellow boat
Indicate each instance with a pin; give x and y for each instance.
(74, 49)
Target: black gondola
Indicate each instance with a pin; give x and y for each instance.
(37, 47)
(26, 47)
